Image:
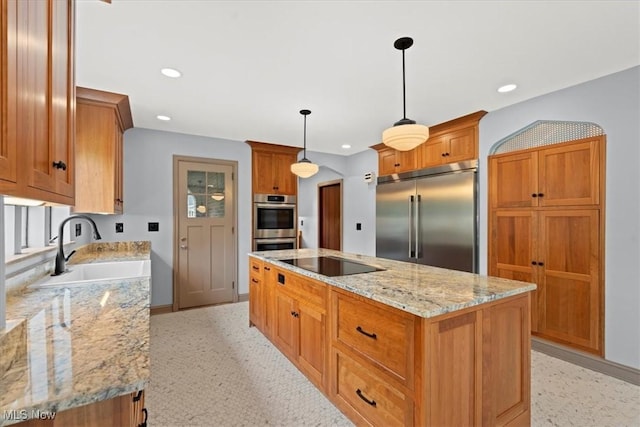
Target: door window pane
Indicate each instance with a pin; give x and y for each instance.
(206, 194)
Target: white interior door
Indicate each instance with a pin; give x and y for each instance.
(206, 254)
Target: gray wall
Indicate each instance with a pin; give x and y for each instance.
(148, 196)
(611, 102)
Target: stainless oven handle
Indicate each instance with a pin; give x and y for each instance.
(275, 205)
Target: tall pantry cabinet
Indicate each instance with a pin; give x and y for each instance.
(37, 100)
(547, 226)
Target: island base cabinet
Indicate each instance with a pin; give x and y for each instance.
(123, 411)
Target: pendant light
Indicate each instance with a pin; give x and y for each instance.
(304, 168)
(405, 134)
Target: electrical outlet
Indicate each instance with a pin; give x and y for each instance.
(154, 226)
(119, 227)
(358, 226)
(78, 229)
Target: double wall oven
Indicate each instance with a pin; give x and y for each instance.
(274, 222)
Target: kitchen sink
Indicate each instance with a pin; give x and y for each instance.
(78, 274)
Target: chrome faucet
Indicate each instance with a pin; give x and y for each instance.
(60, 258)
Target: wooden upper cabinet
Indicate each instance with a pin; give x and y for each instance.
(450, 142)
(393, 161)
(38, 104)
(271, 168)
(8, 92)
(565, 174)
(451, 147)
(101, 119)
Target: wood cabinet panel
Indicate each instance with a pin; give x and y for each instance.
(451, 147)
(566, 174)
(560, 228)
(367, 397)
(271, 168)
(513, 180)
(569, 294)
(38, 107)
(256, 294)
(383, 336)
(570, 174)
(285, 324)
(101, 120)
(392, 161)
(454, 381)
(311, 354)
(124, 411)
(507, 348)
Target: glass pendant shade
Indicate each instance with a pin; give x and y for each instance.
(405, 137)
(304, 168)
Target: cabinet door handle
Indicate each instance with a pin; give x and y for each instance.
(534, 263)
(137, 397)
(534, 195)
(146, 415)
(446, 154)
(362, 396)
(363, 332)
(255, 268)
(540, 263)
(540, 194)
(60, 165)
(267, 268)
(443, 154)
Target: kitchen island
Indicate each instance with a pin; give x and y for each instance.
(394, 343)
(79, 352)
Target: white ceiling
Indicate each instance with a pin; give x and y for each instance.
(250, 66)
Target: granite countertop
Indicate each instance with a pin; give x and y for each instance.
(76, 344)
(418, 289)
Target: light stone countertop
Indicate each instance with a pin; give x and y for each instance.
(78, 344)
(418, 289)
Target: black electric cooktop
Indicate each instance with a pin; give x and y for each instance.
(331, 266)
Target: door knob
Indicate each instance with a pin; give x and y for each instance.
(183, 239)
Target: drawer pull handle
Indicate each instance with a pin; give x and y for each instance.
(255, 268)
(361, 396)
(267, 268)
(363, 332)
(254, 280)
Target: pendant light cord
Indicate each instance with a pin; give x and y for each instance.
(304, 153)
(404, 97)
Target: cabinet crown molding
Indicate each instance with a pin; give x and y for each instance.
(118, 101)
(268, 146)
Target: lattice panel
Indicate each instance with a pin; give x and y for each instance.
(546, 132)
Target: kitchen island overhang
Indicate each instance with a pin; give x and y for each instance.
(407, 344)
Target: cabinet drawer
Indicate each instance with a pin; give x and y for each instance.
(304, 288)
(384, 336)
(255, 268)
(374, 399)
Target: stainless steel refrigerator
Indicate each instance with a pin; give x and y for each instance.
(429, 216)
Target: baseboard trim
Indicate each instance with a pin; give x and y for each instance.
(243, 297)
(607, 367)
(161, 309)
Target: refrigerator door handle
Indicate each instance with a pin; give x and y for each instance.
(417, 226)
(410, 226)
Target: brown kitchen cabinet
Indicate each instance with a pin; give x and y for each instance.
(38, 100)
(555, 240)
(125, 411)
(299, 323)
(256, 294)
(566, 174)
(101, 120)
(271, 168)
(393, 161)
(450, 147)
(449, 142)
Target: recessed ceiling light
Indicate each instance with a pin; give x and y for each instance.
(164, 118)
(171, 72)
(346, 146)
(507, 88)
